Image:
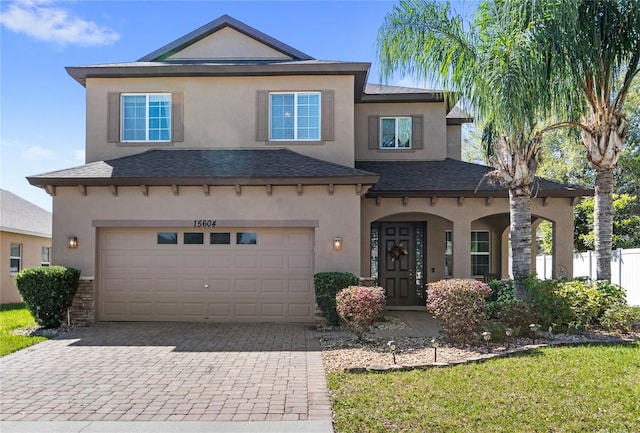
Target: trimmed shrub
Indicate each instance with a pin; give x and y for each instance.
(359, 307)
(327, 285)
(48, 292)
(460, 304)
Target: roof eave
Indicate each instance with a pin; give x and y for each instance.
(199, 181)
(359, 69)
(476, 194)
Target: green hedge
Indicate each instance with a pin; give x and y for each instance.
(327, 285)
(48, 292)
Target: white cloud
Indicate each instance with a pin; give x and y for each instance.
(43, 21)
(37, 153)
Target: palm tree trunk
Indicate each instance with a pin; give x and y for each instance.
(603, 223)
(520, 228)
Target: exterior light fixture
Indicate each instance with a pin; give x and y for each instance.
(337, 243)
(72, 242)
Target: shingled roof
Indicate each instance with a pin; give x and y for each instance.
(450, 178)
(208, 166)
(17, 215)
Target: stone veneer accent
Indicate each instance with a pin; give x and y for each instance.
(83, 308)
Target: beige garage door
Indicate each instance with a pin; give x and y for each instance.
(206, 275)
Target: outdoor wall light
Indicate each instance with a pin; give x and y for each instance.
(337, 244)
(72, 242)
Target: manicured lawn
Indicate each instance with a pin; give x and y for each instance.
(15, 316)
(577, 389)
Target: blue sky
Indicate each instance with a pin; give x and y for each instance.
(42, 109)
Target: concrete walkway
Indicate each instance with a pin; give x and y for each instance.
(211, 377)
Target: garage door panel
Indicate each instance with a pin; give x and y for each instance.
(246, 285)
(246, 310)
(301, 241)
(267, 281)
(220, 261)
(220, 285)
(272, 261)
(246, 261)
(273, 286)
(273, 310)
(170, 285)
(167, 310)
(110, 285)
(140, 309)
(299, 310)
(300, 286)
(301, 262)
(194, 309)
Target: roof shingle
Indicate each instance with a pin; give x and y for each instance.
(450, 177)
(20, 216)
(213, 166)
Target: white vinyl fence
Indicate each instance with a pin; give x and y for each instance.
(625, 269)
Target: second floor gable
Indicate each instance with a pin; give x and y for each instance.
(227, 85)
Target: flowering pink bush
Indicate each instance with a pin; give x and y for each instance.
(460, 304)
(359, 307)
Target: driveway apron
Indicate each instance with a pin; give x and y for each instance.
(195, 372)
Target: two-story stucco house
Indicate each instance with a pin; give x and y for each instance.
(225, 169)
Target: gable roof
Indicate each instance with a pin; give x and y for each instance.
(17, 215)
(450, 178)
(208, 167)
(224, 21)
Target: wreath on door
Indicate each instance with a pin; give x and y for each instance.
(397, 252)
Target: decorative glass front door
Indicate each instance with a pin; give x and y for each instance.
(400, 261)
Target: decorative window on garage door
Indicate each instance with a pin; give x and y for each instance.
(246, 238)
(167, 238)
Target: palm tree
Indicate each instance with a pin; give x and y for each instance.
(598, 42)
(493, 63)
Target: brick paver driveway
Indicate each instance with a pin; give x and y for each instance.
(168, 372)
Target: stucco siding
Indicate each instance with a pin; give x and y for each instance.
(220, 112)
(31, 257)
(336, 215)
(434, 131)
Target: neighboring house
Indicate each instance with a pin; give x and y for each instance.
(25, 241)
(226, 168)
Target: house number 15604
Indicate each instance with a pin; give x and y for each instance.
(204, 223)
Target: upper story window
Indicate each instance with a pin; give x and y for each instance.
(395, 132)
(294, 116)
(15, 258)
(402, 133)
(146, 117)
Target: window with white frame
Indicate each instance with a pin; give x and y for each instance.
(294, 116)
(146, 117)
(448, 254)
(395, 132)
(45, 259)
(15, 258)
(480, 253)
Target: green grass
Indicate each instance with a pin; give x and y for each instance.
(578, 389)
(12, 317)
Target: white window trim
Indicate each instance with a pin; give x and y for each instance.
(295, 116)
(11, 257)
(47, 263)
(395, 147)
(146, 129)
(483, 253)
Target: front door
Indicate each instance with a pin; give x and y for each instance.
(401, 257)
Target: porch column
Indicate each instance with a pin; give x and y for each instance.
(462, 249)
(563, 247)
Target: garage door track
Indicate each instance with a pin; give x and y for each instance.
(169, 372)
